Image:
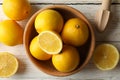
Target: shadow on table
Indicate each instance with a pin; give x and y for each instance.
(21, 67)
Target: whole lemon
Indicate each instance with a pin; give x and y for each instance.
(16, 9)
(11, 33)
(36, 51)
(75, 32)
(67, 60)
(49, 20)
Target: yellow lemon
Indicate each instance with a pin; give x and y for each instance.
(8, 64)
(49, 20)
(11, 33)
(75, 32)
(36, 50)
(50, 42)
(67, 60)
(106, 56)
(16, 9)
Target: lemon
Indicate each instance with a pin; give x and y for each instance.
(11, 33)
(49, 20)
(106, 56)
(50, 42)
(8, 64)
(75, 32)
(36, 50)
(16, 9)
(67, 60)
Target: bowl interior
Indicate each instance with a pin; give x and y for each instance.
(85, 50)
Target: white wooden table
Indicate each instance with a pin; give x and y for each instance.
(27, 71)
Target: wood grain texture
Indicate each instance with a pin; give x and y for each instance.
(27, 71)
(67, 1)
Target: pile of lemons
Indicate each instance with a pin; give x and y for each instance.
(11, 33)
(58, 39)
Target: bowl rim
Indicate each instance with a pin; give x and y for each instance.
(91, 50)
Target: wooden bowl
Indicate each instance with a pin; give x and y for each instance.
(85, 51)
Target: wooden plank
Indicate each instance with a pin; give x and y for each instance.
(68, 1)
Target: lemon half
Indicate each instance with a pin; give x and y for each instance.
(50, 42)
(8, 64)
(106, 56)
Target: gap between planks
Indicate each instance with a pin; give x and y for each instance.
(69, 3)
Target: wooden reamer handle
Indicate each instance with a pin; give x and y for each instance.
(106, 4)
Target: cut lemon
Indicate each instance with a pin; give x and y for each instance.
(50, 42)
(106, 56)
(8, 64)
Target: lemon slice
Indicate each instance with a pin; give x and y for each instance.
(50, 42)
(8, 64)
(106, 56)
